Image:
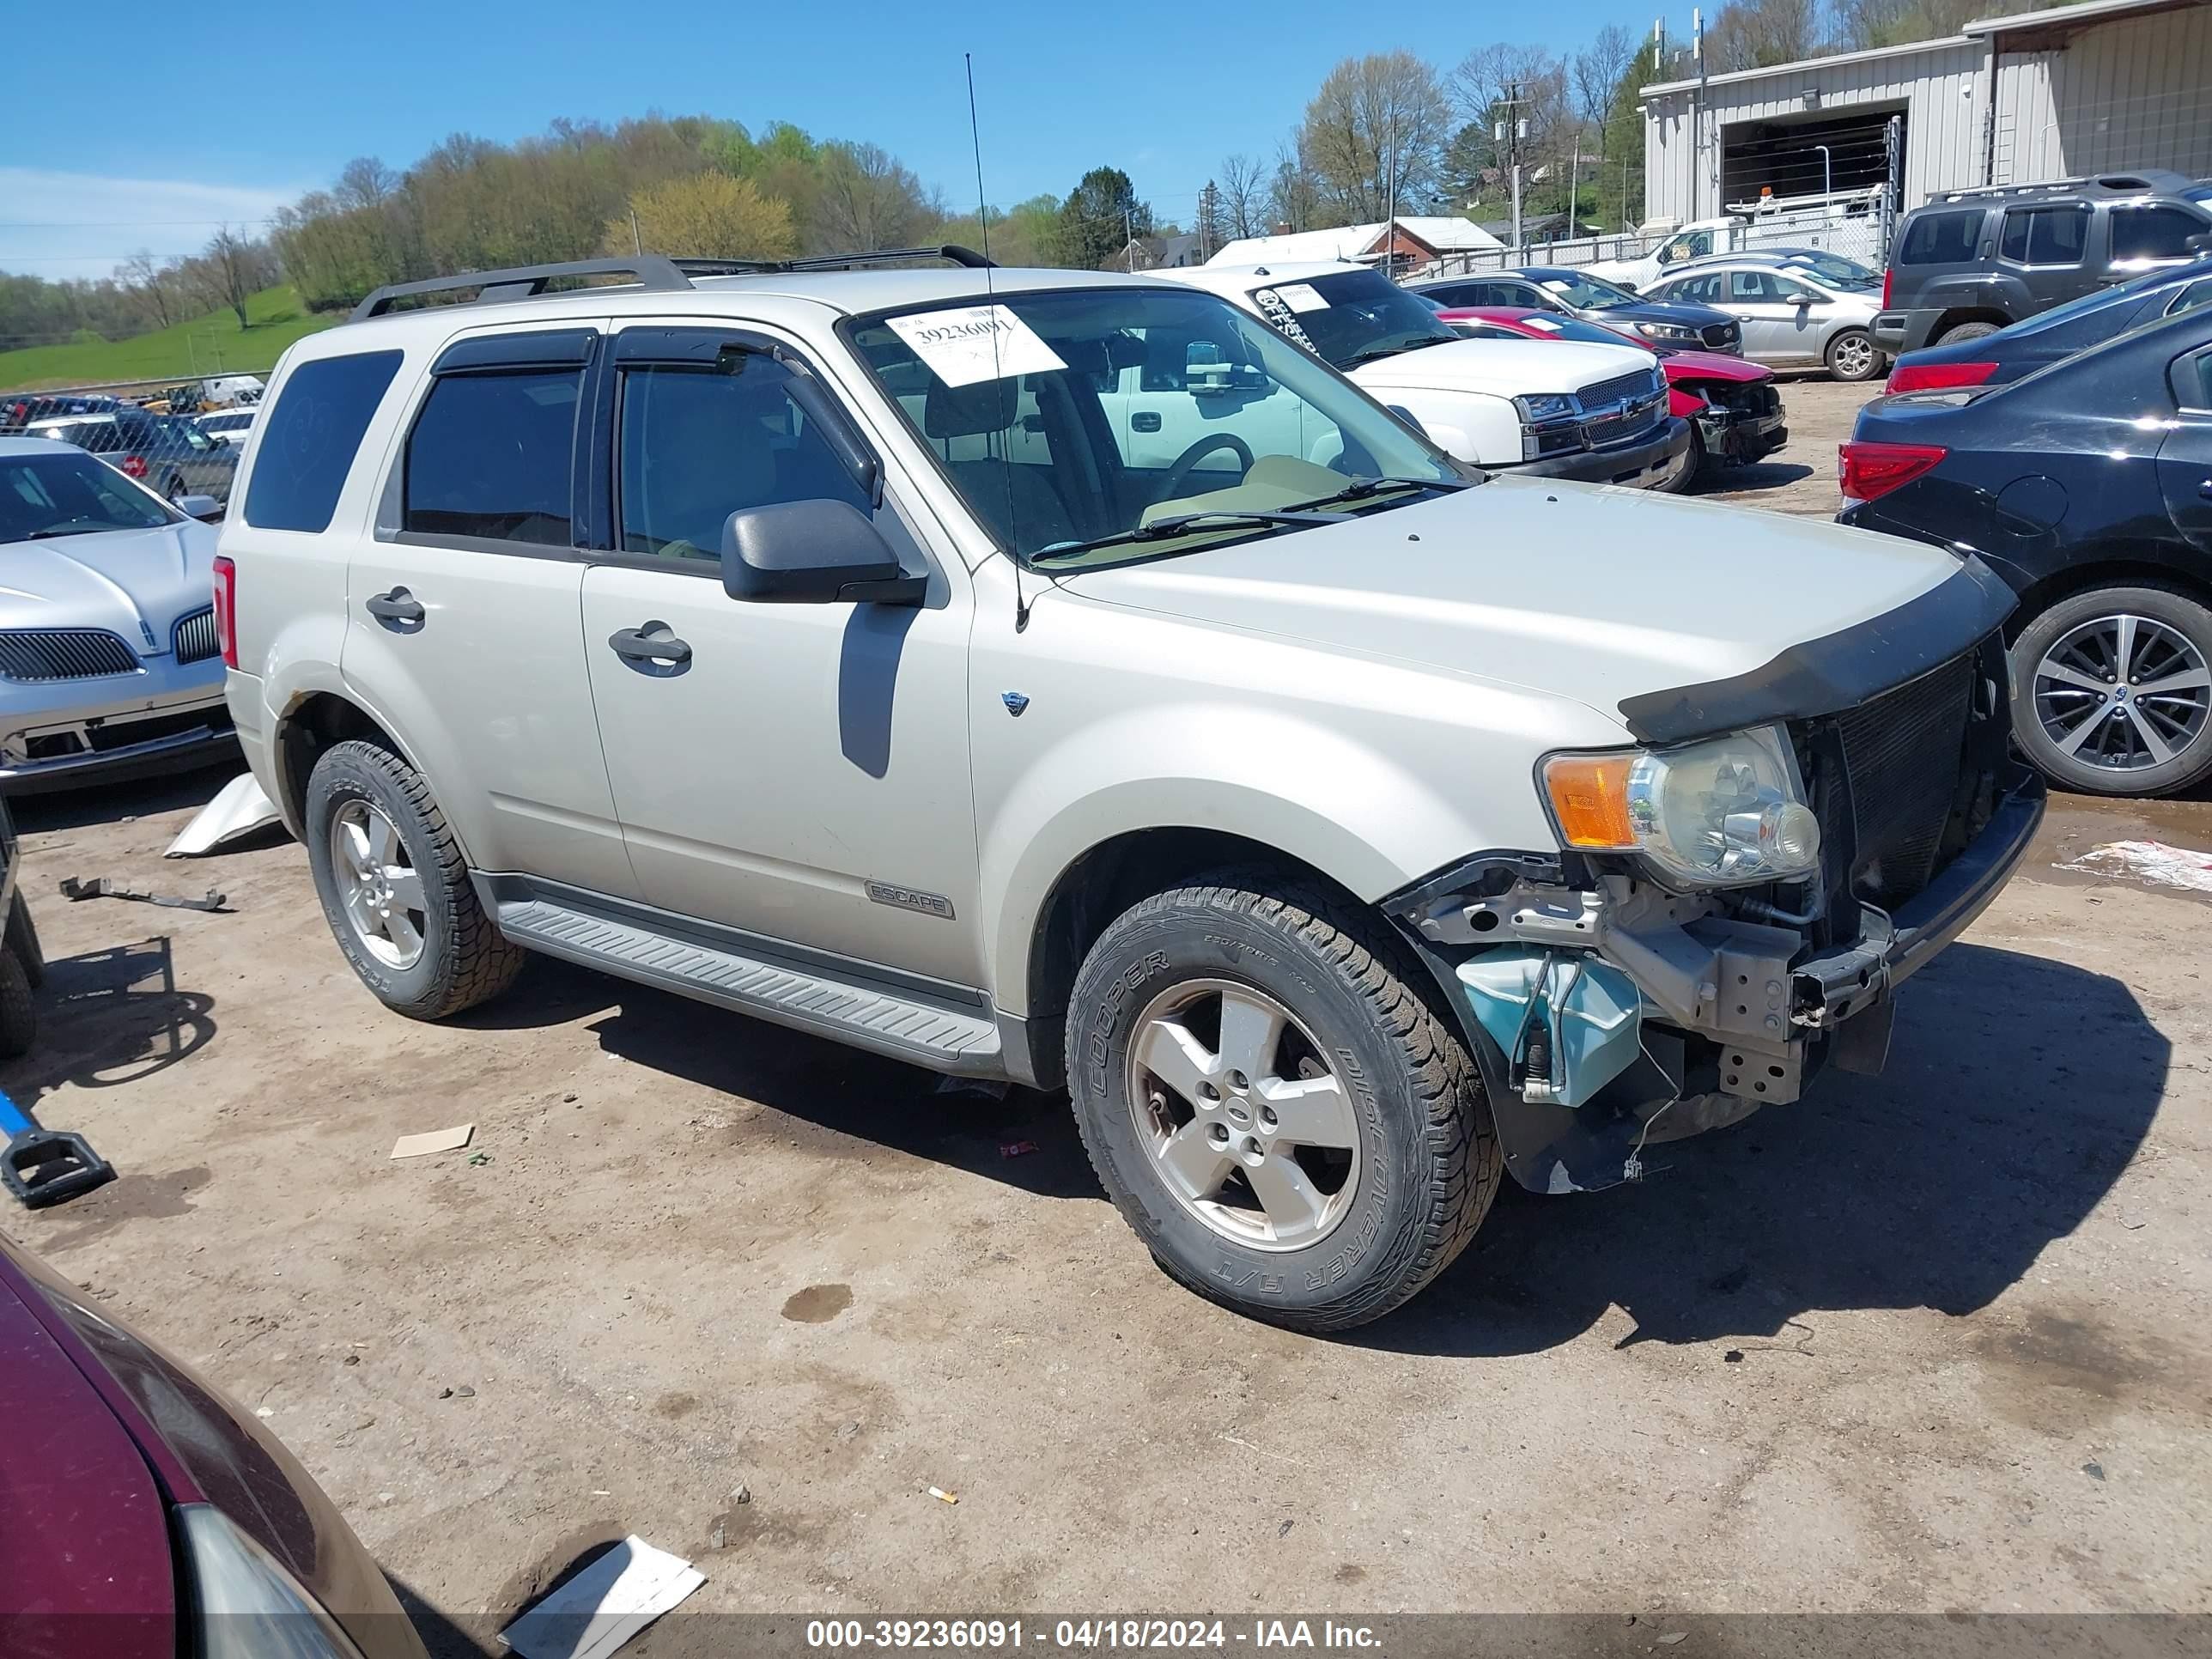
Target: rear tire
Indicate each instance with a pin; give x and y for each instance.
(1968, 331)
(19, 1015)
(2081, 727)
(1382, 1160)
(1853, 356)
(441, 953)
(22, 941)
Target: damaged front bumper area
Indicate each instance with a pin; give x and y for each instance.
(1609, 1012)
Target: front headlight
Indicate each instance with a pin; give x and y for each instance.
(1548, 406)
(1726, 812)
(245, 1605)
(1676, 332)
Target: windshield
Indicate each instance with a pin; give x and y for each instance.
(1833, 270)
(1587, 293)
(44, 495)
(1073, 422)
(1351, 316)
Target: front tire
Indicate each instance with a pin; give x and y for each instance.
(1285, 1120)
(1853, 356)
(22, 941)
(19, 1015)
(2111, 691)
(1968, 331)
(395, 888)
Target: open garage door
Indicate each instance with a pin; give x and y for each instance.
(1783, 155)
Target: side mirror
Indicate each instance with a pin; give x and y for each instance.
(812, 552)
(1801, 300)
(2200, 244)
(205, 508)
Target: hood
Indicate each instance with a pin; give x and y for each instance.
(1504, 368)
(1589, 593)
(1712, 366)
(115, 579)
(1661, 311)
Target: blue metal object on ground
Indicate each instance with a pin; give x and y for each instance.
(46, 1166)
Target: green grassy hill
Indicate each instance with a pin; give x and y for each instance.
(205, 345)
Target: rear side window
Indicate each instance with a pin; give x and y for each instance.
(491, 456)
(2045, 236)
(1751, 287)
(1941, 239)
(310, 436)
(2196, 295)
(2154, 233)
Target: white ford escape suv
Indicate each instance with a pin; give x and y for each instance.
(1340, 828)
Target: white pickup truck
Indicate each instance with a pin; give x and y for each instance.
(1597, 413)
(1845, 224)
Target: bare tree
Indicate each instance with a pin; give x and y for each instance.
(153, 286)
(1243, 203)
(1514, 84)
(1374, 133)
(1294, 199)
(365, 182)
(231, 270)
(869, 200)
(1595, 75)
(1756, 33)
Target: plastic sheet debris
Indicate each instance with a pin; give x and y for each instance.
(74, 887)
(239, 808)
(2151, 861)
(604, 1604)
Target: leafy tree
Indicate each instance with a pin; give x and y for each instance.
(709, 215)
(1375, 132)
(1099, 217)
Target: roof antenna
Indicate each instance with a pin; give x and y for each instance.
(1005, 457)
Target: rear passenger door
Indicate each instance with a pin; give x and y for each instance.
(797, 773)
(462, 606)
(1770, 328)
(2047, 250)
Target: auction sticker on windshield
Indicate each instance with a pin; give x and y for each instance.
(971, 344)
(1302, 296)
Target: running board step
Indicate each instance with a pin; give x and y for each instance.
(944, 1038)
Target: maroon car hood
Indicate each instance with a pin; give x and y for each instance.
(85, 1564)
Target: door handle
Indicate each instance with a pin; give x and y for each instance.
(648, 655)
(398, 611)
(2205, 490)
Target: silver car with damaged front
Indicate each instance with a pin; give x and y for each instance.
(1068, 679)
(109, 660)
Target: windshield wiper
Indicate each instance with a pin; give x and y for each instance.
(1226, 519)
(89, 530)
(1360, 489)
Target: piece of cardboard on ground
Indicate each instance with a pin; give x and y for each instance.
(239, 808)
(604, 1604)
(434, 1140)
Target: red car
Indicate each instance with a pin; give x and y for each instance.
(1735, 412)
(146, 1518)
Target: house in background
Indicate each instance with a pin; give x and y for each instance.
(1157, 253)
(1403, 242)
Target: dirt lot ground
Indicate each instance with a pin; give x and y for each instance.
(1933, 1341)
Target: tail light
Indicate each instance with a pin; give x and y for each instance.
(1889, 277)
(134, 466)
(1869, 471)
(1934, 377)
(226, 609)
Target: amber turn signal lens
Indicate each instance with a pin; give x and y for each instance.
(1589, 799)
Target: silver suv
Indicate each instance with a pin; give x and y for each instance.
(1340, 828)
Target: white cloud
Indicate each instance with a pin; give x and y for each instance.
(84, 224)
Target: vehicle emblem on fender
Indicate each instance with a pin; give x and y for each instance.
(1015, 701)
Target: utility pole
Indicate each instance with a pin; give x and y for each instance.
(1129, 239)
(1574, 179)
(637, 241)
(1510, 134)
(1209, 208)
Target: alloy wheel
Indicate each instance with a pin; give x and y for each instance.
(1854, 355)
(379, 889)
(1243, 1116)
(2124, 692)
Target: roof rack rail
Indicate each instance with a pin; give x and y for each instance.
(953, 253)
(2150, 182)
(652, 271)
(655, 272)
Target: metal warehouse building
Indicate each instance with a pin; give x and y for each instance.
(2046, 95)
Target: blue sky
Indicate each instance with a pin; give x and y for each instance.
(288, 92)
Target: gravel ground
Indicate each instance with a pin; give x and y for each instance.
(1933, 1341)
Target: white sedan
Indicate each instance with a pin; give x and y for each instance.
(227, 426)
